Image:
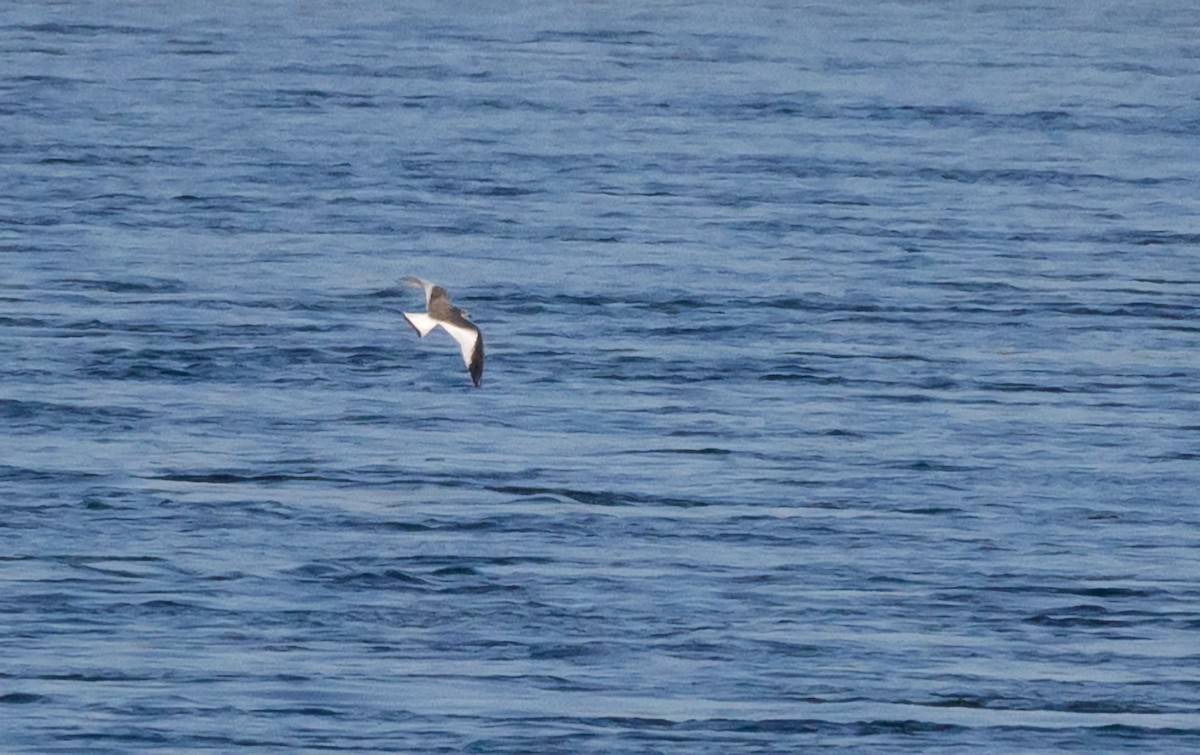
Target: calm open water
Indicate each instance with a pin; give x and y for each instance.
(841, 394)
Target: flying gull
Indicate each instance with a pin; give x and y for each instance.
(439, 311)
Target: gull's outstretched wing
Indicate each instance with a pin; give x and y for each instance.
(420, 322)
(470, 342)
(414, 282)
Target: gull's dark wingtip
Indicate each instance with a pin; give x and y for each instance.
(476, 365)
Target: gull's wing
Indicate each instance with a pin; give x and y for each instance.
(420, 322)
(414, 282)
(470, 342)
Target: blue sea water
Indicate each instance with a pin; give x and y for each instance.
(841, 388)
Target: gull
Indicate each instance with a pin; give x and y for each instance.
(439, 311)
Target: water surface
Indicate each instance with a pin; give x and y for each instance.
(840, 390)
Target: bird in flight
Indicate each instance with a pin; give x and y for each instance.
(439, 311)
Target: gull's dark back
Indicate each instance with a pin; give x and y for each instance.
(439, 306)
